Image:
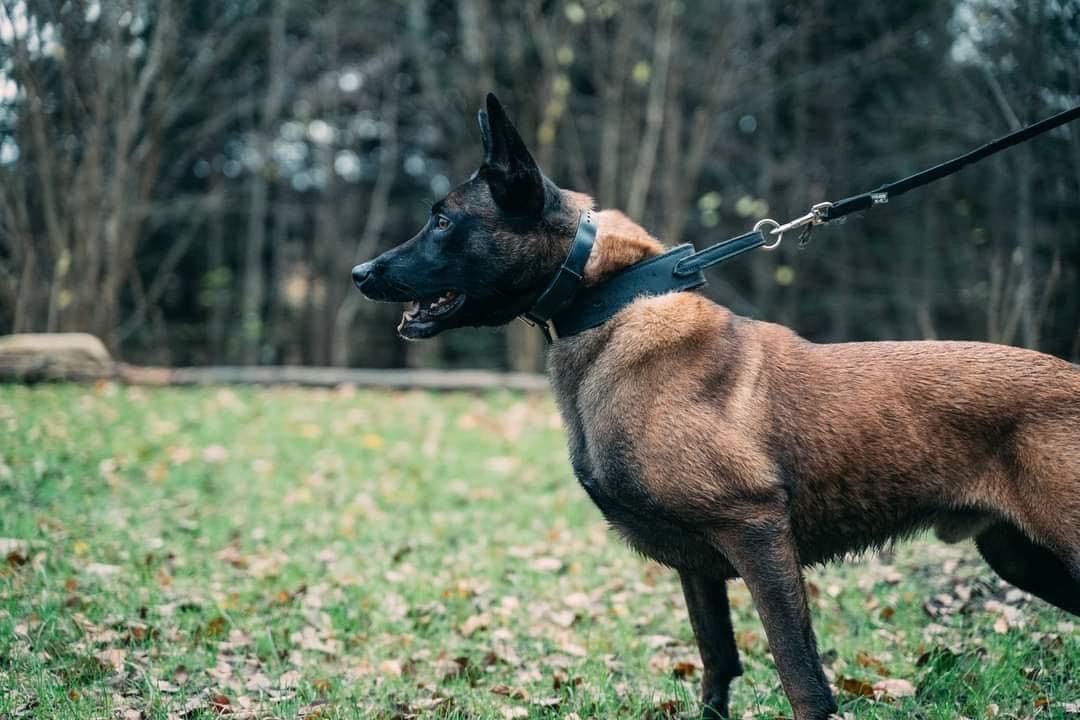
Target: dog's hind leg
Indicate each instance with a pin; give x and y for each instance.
(710, 616)
(1030, 566)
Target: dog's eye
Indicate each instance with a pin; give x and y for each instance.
(442, 222)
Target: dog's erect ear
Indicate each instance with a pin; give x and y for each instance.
(511, 173)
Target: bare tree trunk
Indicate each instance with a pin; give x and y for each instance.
(613, 84)
(217, 275)
(642, 178)
(252, 300)
(927, 267)
(375, 222)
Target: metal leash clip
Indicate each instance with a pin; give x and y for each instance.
(816, 216)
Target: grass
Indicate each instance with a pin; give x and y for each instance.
(184, 553)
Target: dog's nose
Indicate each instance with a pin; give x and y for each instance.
(361, 273)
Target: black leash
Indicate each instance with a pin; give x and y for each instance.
(828, 211)
(564, 308)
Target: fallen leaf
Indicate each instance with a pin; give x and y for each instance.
(101, 570)
(868, 661)
(683, 670)
(220, 704)
(215, 454)
(392, 668)
(853, 686)
(501, 465)
(670, 708)
(474, 623)
(746, 640)
(506, 690)
(658, 641)
(112, 657)
(10, 545)
(546, 564)
(894, 687)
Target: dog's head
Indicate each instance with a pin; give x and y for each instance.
(488, 249)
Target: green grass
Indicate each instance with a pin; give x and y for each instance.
(275, 553)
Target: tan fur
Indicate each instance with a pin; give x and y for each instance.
(619, 242)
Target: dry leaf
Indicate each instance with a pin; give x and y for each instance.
(746, 640)
(101, 570)
(658, 641)
(546, 564)
(853, 686)
(894, 687)
(474, 623)
(392, 668)
(112, 657)
(220, 704)
(867, 661)
(683, 670)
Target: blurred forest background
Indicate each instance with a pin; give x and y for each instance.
(192, 181)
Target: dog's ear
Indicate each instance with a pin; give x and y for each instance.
(511, 173)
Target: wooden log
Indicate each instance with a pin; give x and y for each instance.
(333, 377)
(76, 357)
(37, 357)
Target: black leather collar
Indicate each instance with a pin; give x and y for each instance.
(567, 281)
(565, 309)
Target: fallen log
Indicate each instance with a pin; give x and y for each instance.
(77, 357)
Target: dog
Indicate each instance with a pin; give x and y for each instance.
(725, 447)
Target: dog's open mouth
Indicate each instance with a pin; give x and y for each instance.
(425, 317)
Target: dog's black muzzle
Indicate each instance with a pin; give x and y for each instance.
(373, 280)
(362, 273)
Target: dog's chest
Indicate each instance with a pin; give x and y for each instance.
(606, 470)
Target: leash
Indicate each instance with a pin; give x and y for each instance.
(565, 308)
(824, 212)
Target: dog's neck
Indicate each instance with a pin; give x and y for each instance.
(620, 242)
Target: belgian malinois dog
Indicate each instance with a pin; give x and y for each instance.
(725, 447)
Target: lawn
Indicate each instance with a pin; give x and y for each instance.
(196, 553)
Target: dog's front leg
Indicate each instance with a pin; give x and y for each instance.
(766, 558)
(707, 603)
